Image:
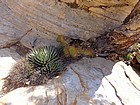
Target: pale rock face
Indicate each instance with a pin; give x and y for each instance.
(51, 18)
(35, 39)
(90, 81)
(11, 28)
(9, 52)
(8, 58)
(6, 63)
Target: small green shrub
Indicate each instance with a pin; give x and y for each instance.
(36, 68)
(46, 60)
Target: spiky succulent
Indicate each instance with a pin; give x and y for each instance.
(46, 60)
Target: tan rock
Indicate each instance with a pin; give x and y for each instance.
(68, 1)
(56, 18)
(77, 85)
(35, 38)
(11, 28)
(9, 52)
(108, 3)
(89, 81)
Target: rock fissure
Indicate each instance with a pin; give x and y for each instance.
(115, 91)
(14, 41)
(65, 94)
(81, 81)
(109, 6)
(58, 101)
(137, 29)
(127, 76)
(110, 18)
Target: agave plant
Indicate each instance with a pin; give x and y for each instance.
(46, 60)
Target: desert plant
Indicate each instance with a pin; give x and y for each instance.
(46, 60)
(36, 68)
(18, 76)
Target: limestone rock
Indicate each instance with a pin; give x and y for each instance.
(49, 18)
(68, 1)
(9, 52)
(6, 63)
(35, 38)
(52, 17)
(90, 81)
(11, 27)
(122, 37)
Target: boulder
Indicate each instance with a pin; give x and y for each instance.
(6, 63)
(35, 39)
(12, 29)
(90, 81)
(51, 17)
(9, 52)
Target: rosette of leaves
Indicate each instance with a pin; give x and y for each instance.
(36, 68)
(46, 60)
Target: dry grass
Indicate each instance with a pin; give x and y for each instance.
(22, 75)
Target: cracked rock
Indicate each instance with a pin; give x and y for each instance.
(54, 18)
(94, 81)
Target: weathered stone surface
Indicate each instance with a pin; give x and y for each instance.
(56, 18)
(124, 36)
(109, 3)
(11, 27)
(124, 80)
(87, 82)
(35, 38)
(6, 63)
(68, 1)
(47, 19)
(8, 58)
(9, 52)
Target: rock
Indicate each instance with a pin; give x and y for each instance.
(35, 38)
(90, 81)
(53, 18)
(121, 86)
(121, 38)
(9, 52)
(6, 63)
(11, 28)
(68, 1)
(8, 58)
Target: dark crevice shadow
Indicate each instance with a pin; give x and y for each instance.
(136, 68)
